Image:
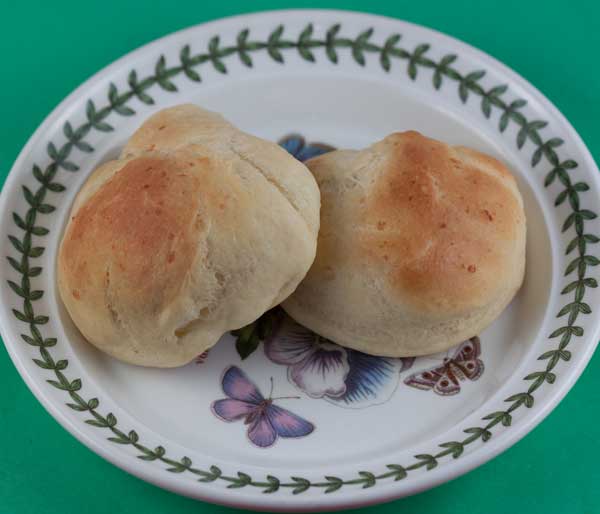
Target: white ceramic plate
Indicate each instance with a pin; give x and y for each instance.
(368, 434)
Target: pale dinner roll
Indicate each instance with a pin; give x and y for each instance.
(197, 229)
(421, 246)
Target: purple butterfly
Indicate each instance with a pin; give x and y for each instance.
(445, 379)
(265, 420)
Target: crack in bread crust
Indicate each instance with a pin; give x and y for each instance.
(273, 183)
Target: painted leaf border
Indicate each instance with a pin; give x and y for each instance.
(309, 47)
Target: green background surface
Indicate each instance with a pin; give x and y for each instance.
(49, 48)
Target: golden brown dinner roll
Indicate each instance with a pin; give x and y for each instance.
(197, 229)
(421, 246)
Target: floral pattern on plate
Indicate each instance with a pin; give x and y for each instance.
(323, 369)
(301, 150)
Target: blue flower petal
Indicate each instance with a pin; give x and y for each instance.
(292, 144)
(296, 145)
(311, 151)
(371, 380)
(367, 375)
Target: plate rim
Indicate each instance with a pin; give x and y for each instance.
(498, 444)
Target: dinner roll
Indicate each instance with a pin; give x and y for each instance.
(197, 229)
(421, 246)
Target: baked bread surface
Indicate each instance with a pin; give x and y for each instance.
(421, 246)
(197, 229)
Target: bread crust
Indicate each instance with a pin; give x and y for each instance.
(421, 246)
(185, 237)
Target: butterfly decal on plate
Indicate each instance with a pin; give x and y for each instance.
(201, 359)
(444, 379)
(266, 421)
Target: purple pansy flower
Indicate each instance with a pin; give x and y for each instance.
(323, 369)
